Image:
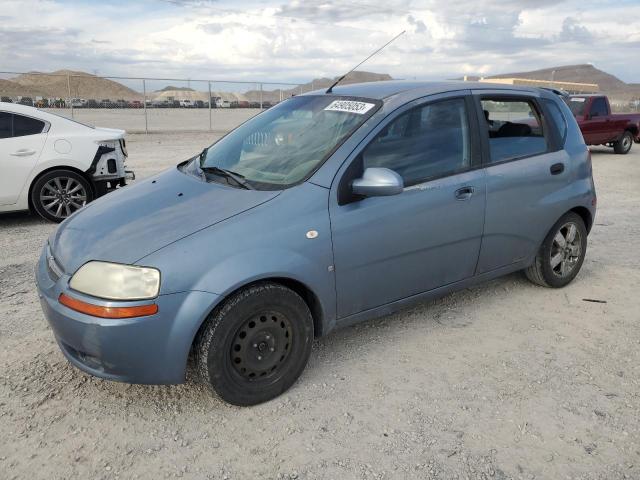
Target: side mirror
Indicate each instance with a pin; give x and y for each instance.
(378, 182)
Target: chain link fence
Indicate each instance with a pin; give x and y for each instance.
(146, 104)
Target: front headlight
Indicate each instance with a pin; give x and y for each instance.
(114, 281)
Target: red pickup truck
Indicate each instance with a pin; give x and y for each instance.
(600, 127)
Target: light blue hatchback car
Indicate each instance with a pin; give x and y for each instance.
(325, 210)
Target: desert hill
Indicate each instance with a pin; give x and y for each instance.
(83, 85)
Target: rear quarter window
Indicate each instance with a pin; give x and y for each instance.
(23, 126)
(559, 121)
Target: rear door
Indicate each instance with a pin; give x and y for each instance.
(21, 141)
(389, 248)
(526, 171)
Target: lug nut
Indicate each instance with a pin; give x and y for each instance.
(259, 357)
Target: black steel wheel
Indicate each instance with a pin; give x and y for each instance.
(60, 193)
(261, 345)
(255, 346)
(561, 254)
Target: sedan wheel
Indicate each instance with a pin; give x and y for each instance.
(58, 194)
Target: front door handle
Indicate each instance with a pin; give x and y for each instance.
(557, 168)
(464, 193)
(23, 152)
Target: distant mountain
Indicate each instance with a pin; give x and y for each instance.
(608, 84)
(573, 73)
(13, 89)
(171, 88)
(83, 85)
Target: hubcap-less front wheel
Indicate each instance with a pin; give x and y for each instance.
(261, 344)
(61, 196)
(566, 250)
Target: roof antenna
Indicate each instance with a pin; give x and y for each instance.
(330, 89)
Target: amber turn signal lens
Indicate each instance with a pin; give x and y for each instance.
(107, 312)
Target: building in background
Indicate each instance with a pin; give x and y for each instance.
(570, 87)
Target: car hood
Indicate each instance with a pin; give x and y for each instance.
(134, 221)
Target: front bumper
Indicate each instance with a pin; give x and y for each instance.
(150, 350)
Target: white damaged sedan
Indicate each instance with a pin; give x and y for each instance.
(54, 166)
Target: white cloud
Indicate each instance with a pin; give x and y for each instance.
(299, 40)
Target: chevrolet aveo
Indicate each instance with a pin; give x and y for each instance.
(325, 210)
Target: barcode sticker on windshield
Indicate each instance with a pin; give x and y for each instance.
(350, 106)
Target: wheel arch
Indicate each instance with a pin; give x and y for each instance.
(51, 169)
(306, 293)
(585, 214)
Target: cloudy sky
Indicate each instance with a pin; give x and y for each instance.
(299, 40)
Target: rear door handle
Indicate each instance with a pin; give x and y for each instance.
(557, 168)
(23, 152)
(464, 193)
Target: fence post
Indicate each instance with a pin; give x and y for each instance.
(144, 103)
(260, 96)
(69, 91)
(209, 106)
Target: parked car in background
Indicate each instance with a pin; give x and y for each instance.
(53, 165)
(601, 127)
(28, 101)
(325, 210)
(186, 103)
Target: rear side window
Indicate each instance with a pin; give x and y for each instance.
(5, 125)
(598, 107)
(514, 129)
(426, 142)
(558, 118)
(23, 126)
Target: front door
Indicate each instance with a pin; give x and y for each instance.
(389, 248)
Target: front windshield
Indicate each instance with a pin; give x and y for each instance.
(576, 104)
(284, 144)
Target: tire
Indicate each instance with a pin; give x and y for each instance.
(545, 271)
(623, 145)
(256, 345)
(60, 193)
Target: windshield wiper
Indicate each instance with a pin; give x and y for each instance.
(236, 177)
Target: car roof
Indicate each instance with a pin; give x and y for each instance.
(388, 88)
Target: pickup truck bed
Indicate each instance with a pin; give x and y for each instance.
(601, 127)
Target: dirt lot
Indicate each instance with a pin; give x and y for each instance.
(505, 380)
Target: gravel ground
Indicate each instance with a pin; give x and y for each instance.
(504, 380)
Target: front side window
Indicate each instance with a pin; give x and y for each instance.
(23, 126)
(5, 125)
(286, 143)
(514, 129)
(426, 142)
